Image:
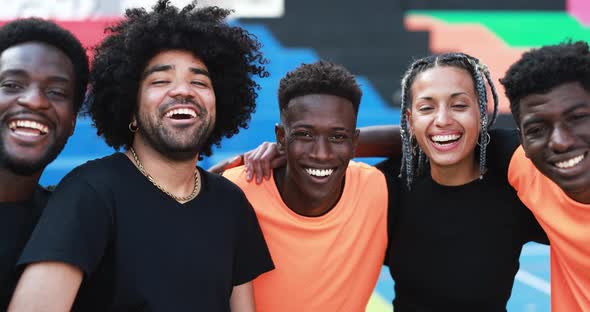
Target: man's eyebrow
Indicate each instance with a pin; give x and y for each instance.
(530, 121)
(156, 68)
(199, 71)
(13, 72)
(534, 119)
(340, 129)
(24, 73)
(306, 126)
(576, 106)
(159, 68)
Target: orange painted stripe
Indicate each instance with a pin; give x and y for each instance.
(473, 39)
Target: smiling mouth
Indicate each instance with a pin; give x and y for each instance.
(28, 127)
(566, 164)
(181, 113)
(445, 139)
(319, 172)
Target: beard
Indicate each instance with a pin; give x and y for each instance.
(173, 143)
(28, 167)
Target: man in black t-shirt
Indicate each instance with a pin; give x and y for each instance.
(147, 230)
(43, 77)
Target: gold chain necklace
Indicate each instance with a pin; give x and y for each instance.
(189, 197)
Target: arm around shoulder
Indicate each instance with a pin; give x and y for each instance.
(242, 298)
(46, 286)
(379, 141)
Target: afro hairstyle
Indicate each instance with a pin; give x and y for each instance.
(231, 54)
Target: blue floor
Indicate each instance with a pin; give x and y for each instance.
(530, 292)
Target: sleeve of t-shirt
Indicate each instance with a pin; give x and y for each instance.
(519, 168)
(531, 229)
(74, 227)
(390, 169)
(252, 257)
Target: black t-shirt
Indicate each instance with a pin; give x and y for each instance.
(457, 248)
(139, 249)
(17, 220)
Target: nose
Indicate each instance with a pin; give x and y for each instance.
(182, 89)
(561, 139)
(33, 99)
(321, 149)
(442, 117)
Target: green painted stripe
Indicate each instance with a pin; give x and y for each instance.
(519, 28)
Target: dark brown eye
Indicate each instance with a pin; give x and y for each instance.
(337, 138)
(534, 131)
(11, 85)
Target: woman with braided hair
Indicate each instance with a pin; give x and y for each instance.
(456, 226)
(452, 65)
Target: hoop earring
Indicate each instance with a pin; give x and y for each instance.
(132, 127)
(485, 142)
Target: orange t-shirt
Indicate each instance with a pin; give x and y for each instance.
(326, 263)
(567, 224)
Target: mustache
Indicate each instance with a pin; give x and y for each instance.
(24, 113)
(183, 101)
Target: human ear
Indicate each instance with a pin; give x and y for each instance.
(73, 125)
(355, 140)
(521, 141)
(280, 137)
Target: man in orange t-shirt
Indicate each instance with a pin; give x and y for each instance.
(549, 92)
(324, 217)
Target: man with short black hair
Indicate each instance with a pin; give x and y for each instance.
(43, 77)
(549, 92)
(327, 236)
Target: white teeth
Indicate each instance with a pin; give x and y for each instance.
(319, 172)
(181, 111)
(445, 138)
(13, 125)
(569, 163)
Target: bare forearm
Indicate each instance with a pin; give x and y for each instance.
(379, 141)
(46, 286)
(242, 298)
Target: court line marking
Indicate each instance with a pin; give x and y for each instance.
(534, 281)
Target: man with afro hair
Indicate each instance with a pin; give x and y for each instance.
(147, 230)
(43, 78)
(549, 93)
(327, 236)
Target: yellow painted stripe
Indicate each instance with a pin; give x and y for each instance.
(378, 304)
